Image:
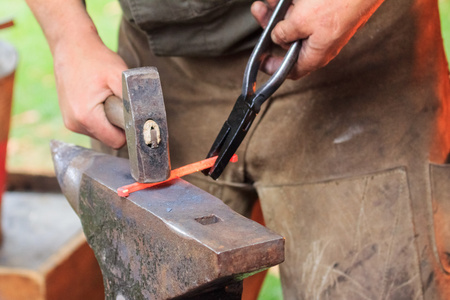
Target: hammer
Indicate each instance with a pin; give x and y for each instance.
(173, 241)
(143, 117)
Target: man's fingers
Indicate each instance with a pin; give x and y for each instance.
(271, 64)
(261, 13)
(95, 124)
(114, 80)
(272, 3)
(99, 127)
(285, 33)
(310, 59)
(115, 84)
(295, 26)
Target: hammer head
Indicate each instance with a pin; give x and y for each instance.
(170, 241)
(146, 125)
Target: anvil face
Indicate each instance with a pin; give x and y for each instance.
(160, 243)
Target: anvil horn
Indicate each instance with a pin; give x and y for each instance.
(70, 162)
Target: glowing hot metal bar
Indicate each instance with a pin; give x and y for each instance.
(125, 191)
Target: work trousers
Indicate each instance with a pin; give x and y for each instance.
(349, 163)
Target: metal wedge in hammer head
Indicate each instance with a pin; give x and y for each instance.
(170, 242)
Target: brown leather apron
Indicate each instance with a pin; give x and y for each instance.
(349, 162)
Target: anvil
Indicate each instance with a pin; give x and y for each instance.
(172, 241)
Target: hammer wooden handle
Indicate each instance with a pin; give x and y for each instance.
(114, 111)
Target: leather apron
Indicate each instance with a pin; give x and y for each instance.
(349, 162)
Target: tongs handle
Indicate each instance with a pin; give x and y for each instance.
(254, 62)
(249, 102)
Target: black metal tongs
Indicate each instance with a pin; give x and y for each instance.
(249, 102)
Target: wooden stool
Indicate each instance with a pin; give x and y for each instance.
(44, 253)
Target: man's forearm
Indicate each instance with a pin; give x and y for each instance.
(63, 23)
(86, 71)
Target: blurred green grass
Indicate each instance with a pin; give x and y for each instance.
(271, 289)
(36, 118)
(444, 10)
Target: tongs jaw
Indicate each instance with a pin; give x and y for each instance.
(249, 103)
(230, 136)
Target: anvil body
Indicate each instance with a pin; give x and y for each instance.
(174, 240)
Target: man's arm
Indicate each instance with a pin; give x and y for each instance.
(86, 71)
(325, 26)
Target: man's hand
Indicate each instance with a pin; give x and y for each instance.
(325, 26)
(86, 75)
(86, 71)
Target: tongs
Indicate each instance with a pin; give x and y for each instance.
(249, 103)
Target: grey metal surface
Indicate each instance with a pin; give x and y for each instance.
(35, 226)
